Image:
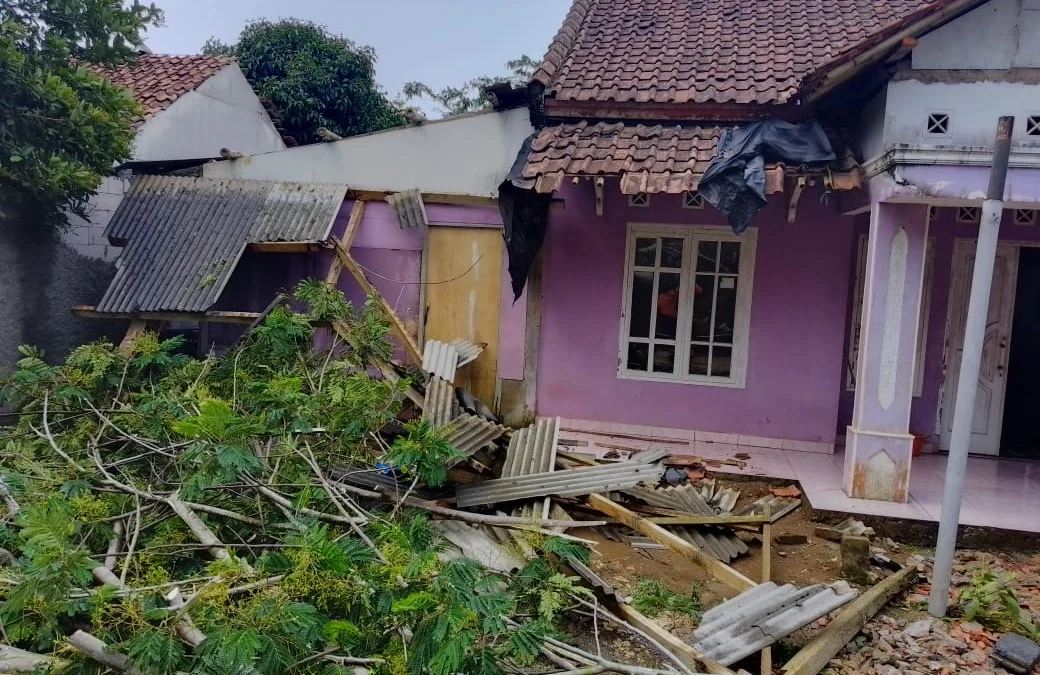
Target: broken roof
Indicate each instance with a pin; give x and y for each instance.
(157, 80)
(715, 51)
(183, 237)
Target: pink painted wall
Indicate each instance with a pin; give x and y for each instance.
(943, 232)
(799, 306)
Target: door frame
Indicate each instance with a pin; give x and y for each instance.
(959, 287)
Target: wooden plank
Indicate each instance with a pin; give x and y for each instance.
(442, 198)
(533, 335)
(369, 290)
(717, 569)
(464, 297)
(90, 312)
(357, 213)
(766, 667)
(708, 520)
(815, 656)
(136, 329)
(684, 652)
(286, 246)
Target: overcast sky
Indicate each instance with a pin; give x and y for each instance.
(439, 42)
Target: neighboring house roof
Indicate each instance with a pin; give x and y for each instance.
(157, 80)
(649, 158)
(183, 237)
(715, 51)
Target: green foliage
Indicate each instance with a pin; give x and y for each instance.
(471, 95)
(990, 599)
(652, 598)
(62, 126)
(316, 79)
(121, 431)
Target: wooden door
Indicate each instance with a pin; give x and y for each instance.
(463, 294)
(989, 401)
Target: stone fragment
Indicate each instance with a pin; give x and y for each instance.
(1016, 653)
(855, 559)
(791, 539)
(828, 533)
(918, 629)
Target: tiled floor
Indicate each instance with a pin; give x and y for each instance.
(998, 493)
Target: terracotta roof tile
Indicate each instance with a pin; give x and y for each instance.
(648, 158)
(157, 80)
(710, 51)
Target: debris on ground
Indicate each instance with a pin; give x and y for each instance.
(1016, 653)
(855, 559)
(787, 491)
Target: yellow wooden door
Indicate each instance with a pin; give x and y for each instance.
(463, 293)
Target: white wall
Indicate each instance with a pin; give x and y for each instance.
(469, 155)
(1000, 34)
(222, 113)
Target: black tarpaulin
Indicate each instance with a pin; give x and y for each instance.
(735, 181)
(525, 215)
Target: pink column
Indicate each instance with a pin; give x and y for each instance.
(878, 444)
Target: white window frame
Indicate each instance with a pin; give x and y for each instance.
(742, 319)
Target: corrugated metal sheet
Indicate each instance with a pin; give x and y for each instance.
(183, 237)
(439, 401)
(679, 497)
(468, 351)
(409, 208)
(479, 544)
(777, 507)
(761, 615)
(440, 359)
(532, 449)
(569, 483)
(473, 433)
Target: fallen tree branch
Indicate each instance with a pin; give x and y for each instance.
(182, 622)
(610, 616)
(282, 501)
(95, 649)
(14, 660)
(112, 554)
(198, 528)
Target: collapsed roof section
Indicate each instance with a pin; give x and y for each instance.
(183, 237)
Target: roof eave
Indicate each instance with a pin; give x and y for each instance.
(674, 113)
(870, 52)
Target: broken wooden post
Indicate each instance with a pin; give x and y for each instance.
(674, 543)
(815, 656)
(136, 329)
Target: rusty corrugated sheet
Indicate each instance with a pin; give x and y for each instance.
(440, 359)
(569, 483)
(439, 402)
(409, 208)
(183, 237)
(471, 433)
(761, 615)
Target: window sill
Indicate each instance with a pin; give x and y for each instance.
(733, 383)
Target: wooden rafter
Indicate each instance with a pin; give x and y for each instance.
(91, 312)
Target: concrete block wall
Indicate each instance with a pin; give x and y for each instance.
(87, 237)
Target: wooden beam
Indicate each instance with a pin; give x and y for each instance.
(388, 372)
(357, 213)
(428, 197)
(709, 520)
(766, 667)
(136, 329)
(287, 246)
(395, 321)
(90, 312)
(815, 656)
(684, 652)
(717, 569)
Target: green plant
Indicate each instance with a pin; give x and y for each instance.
(990, 599)
(652, 598)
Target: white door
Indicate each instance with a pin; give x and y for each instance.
(989, 401)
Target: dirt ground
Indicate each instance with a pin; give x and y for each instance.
(882, 649)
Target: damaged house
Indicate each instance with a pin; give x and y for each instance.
(745, 227)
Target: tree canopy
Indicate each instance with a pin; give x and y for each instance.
(471, 95)
(315, 79)
(63, 127)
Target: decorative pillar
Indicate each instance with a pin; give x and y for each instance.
(878, 443)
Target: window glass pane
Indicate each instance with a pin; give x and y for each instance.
(698, 359)
(671, 253)
(721, 361)
(664, 358)
(667, 306)
(707, 256)
(638, 355)
(642, 304)
(646, 252)
(703, 296)
(729, 260)
(725, 309)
